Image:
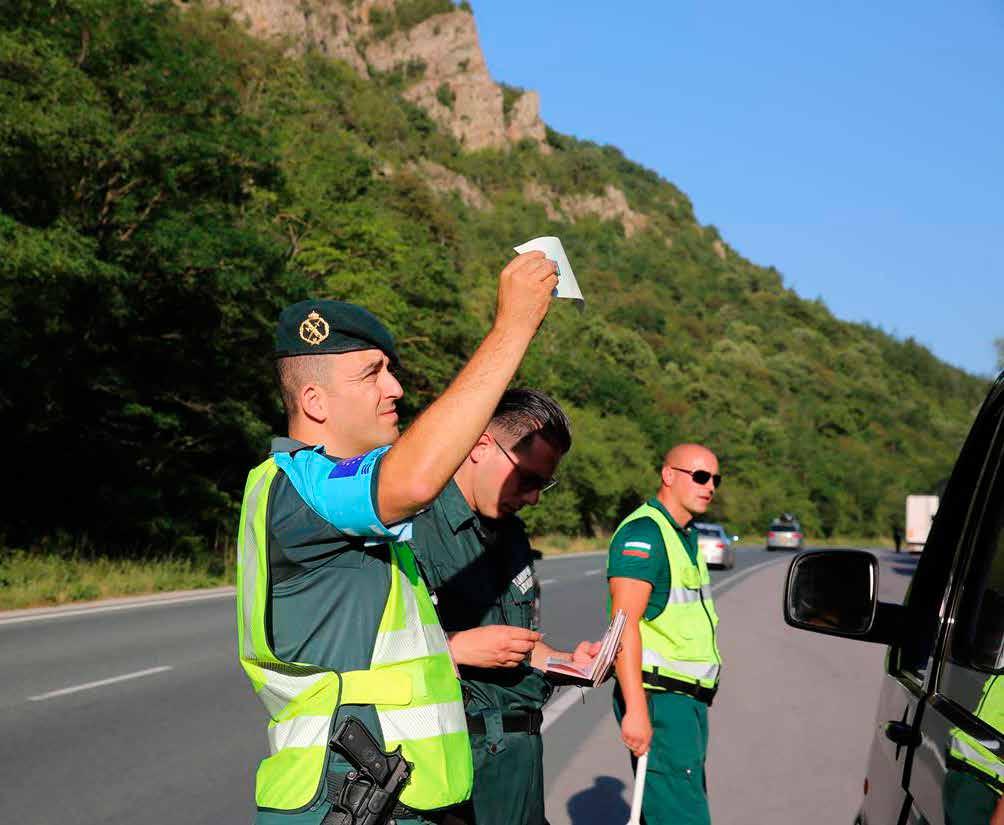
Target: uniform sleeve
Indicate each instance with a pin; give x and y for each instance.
(343, 493)
(637, 552)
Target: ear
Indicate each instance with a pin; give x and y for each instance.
(481, 448)
(667, 476)
(314, 403)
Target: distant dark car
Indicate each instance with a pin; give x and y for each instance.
(784, 534)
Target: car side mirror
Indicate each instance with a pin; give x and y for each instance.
(832, 591)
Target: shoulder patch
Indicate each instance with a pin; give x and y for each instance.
(640, 549)
(524, 579)
(347, 468)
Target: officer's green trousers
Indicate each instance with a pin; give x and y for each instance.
(508, 780)
(967, 799)
(675, 788)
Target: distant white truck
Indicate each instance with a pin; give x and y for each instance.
(920, 512)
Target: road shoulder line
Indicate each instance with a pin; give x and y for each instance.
(34, 614)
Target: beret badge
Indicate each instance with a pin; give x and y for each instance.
(314, 329)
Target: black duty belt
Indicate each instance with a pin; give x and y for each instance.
(511, 723)
(699, 692)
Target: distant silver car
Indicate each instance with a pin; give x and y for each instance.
(715, 545)
(784, 535)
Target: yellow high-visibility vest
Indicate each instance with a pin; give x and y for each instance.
(411, 682)
(680, 642)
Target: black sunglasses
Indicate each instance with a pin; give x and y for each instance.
(701, 476)
(528, 481)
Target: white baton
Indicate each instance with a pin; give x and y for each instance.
(639, 789)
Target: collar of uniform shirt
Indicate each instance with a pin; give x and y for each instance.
(455, 507)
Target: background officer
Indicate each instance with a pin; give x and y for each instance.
(332, 616)
(668, 667)
(478, 559)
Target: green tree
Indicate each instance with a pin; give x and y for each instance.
(170, 183)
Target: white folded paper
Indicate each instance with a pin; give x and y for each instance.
(567, 286)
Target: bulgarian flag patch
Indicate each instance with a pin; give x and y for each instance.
(636, 548)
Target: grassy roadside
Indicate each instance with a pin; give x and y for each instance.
(555, 545)
(42, 579)
(39, 579)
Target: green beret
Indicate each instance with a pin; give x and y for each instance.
(323, 327)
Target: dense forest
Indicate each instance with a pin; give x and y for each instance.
(169, 183)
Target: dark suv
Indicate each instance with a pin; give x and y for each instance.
(937, 756)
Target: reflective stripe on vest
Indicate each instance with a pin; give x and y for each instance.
(411, 682)
(974, 752)
(680, 642)
(432, 730)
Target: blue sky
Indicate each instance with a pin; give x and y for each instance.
(858, 147)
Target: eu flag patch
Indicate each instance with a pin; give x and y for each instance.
(347, 468)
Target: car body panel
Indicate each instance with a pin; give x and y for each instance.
(886, 795)
(715, 545)
(937, 753)
(784, 536)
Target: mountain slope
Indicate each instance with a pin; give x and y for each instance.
(174, 180)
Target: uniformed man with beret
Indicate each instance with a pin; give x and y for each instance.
(334, 619)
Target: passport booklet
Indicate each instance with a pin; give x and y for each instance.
(597, 671)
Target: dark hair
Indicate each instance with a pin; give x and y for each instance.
(524, 413)
(293, 372)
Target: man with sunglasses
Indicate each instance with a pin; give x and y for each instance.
(476, 556)
(668, 667)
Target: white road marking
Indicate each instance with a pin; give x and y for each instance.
(555, 711)
(592, 572)
(52, 694)
(155, 601)
(737, 577)
(573, 695)
(166, 599)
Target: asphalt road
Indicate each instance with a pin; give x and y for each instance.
(141, 712)
(790, 728)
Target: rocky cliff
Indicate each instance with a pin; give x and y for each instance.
(439, 57)
(438, 61)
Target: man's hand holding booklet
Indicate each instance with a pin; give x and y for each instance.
(596, 672)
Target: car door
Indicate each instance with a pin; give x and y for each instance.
(909, 665)
(958, 770)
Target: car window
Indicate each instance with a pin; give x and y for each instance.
(973, 676)
(783, 528)
(709, 531)
(978, 640)
(952, 528)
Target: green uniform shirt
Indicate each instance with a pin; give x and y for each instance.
(320, 577)
(637, 551)
(482, 573)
